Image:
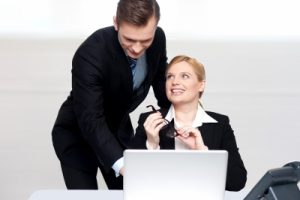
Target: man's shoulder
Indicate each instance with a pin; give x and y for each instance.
(104, 34)
(104, 30)
(159, 32)
(159, 29)
(98, 40)
(159, 42)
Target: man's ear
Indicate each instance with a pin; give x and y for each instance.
(115, 23)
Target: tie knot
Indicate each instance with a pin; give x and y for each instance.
(132, 61)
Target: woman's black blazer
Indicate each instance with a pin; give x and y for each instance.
(216, 136)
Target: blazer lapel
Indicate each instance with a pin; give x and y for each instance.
(165, 141)
(121, 65)
(150, 66)
(207, 132)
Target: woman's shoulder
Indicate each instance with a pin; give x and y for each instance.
(218, 116)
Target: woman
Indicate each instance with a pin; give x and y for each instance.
(186, 125)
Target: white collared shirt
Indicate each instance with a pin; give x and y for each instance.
(201, 117)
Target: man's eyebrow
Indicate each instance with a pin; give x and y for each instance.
(127, 38)
(133, 40)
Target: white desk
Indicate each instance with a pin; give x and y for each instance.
(103, 195)
(77, 195)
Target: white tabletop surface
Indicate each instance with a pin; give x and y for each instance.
(104, 195)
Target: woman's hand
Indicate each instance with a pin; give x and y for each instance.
(152, 125)
(191, 137)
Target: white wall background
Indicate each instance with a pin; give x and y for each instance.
(180, 19)
(250, 50)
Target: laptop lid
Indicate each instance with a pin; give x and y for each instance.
(174, 174)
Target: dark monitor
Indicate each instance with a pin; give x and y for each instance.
(278, 184)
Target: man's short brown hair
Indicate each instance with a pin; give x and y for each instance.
(137, 12)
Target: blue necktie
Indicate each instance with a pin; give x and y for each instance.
(132, 63)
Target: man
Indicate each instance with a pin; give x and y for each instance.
(93, 126)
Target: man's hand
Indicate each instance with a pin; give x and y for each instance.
(122, 171)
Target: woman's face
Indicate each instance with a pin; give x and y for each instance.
(182, 84)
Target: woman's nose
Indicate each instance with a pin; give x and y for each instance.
(175, 80)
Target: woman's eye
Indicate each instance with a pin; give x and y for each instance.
(185, 76)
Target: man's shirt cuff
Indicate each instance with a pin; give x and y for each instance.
(117, 166)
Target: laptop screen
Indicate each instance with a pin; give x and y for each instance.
(174, 174)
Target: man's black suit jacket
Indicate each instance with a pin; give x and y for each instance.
(216, 136)
(93, 123)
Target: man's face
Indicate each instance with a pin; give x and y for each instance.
(135, 40)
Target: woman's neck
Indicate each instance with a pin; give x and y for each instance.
(185, 114)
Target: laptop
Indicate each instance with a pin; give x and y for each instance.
(174, 174)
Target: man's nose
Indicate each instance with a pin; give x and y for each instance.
(137, 48)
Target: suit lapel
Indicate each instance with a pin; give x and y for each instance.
(122, 67)
(207, 132)
(150, 66)
(166, 142)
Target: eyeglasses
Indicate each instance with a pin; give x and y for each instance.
(171, 132)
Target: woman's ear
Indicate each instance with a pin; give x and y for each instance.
(202, 86)
(115, 23)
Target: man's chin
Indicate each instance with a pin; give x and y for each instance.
(135, 56)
